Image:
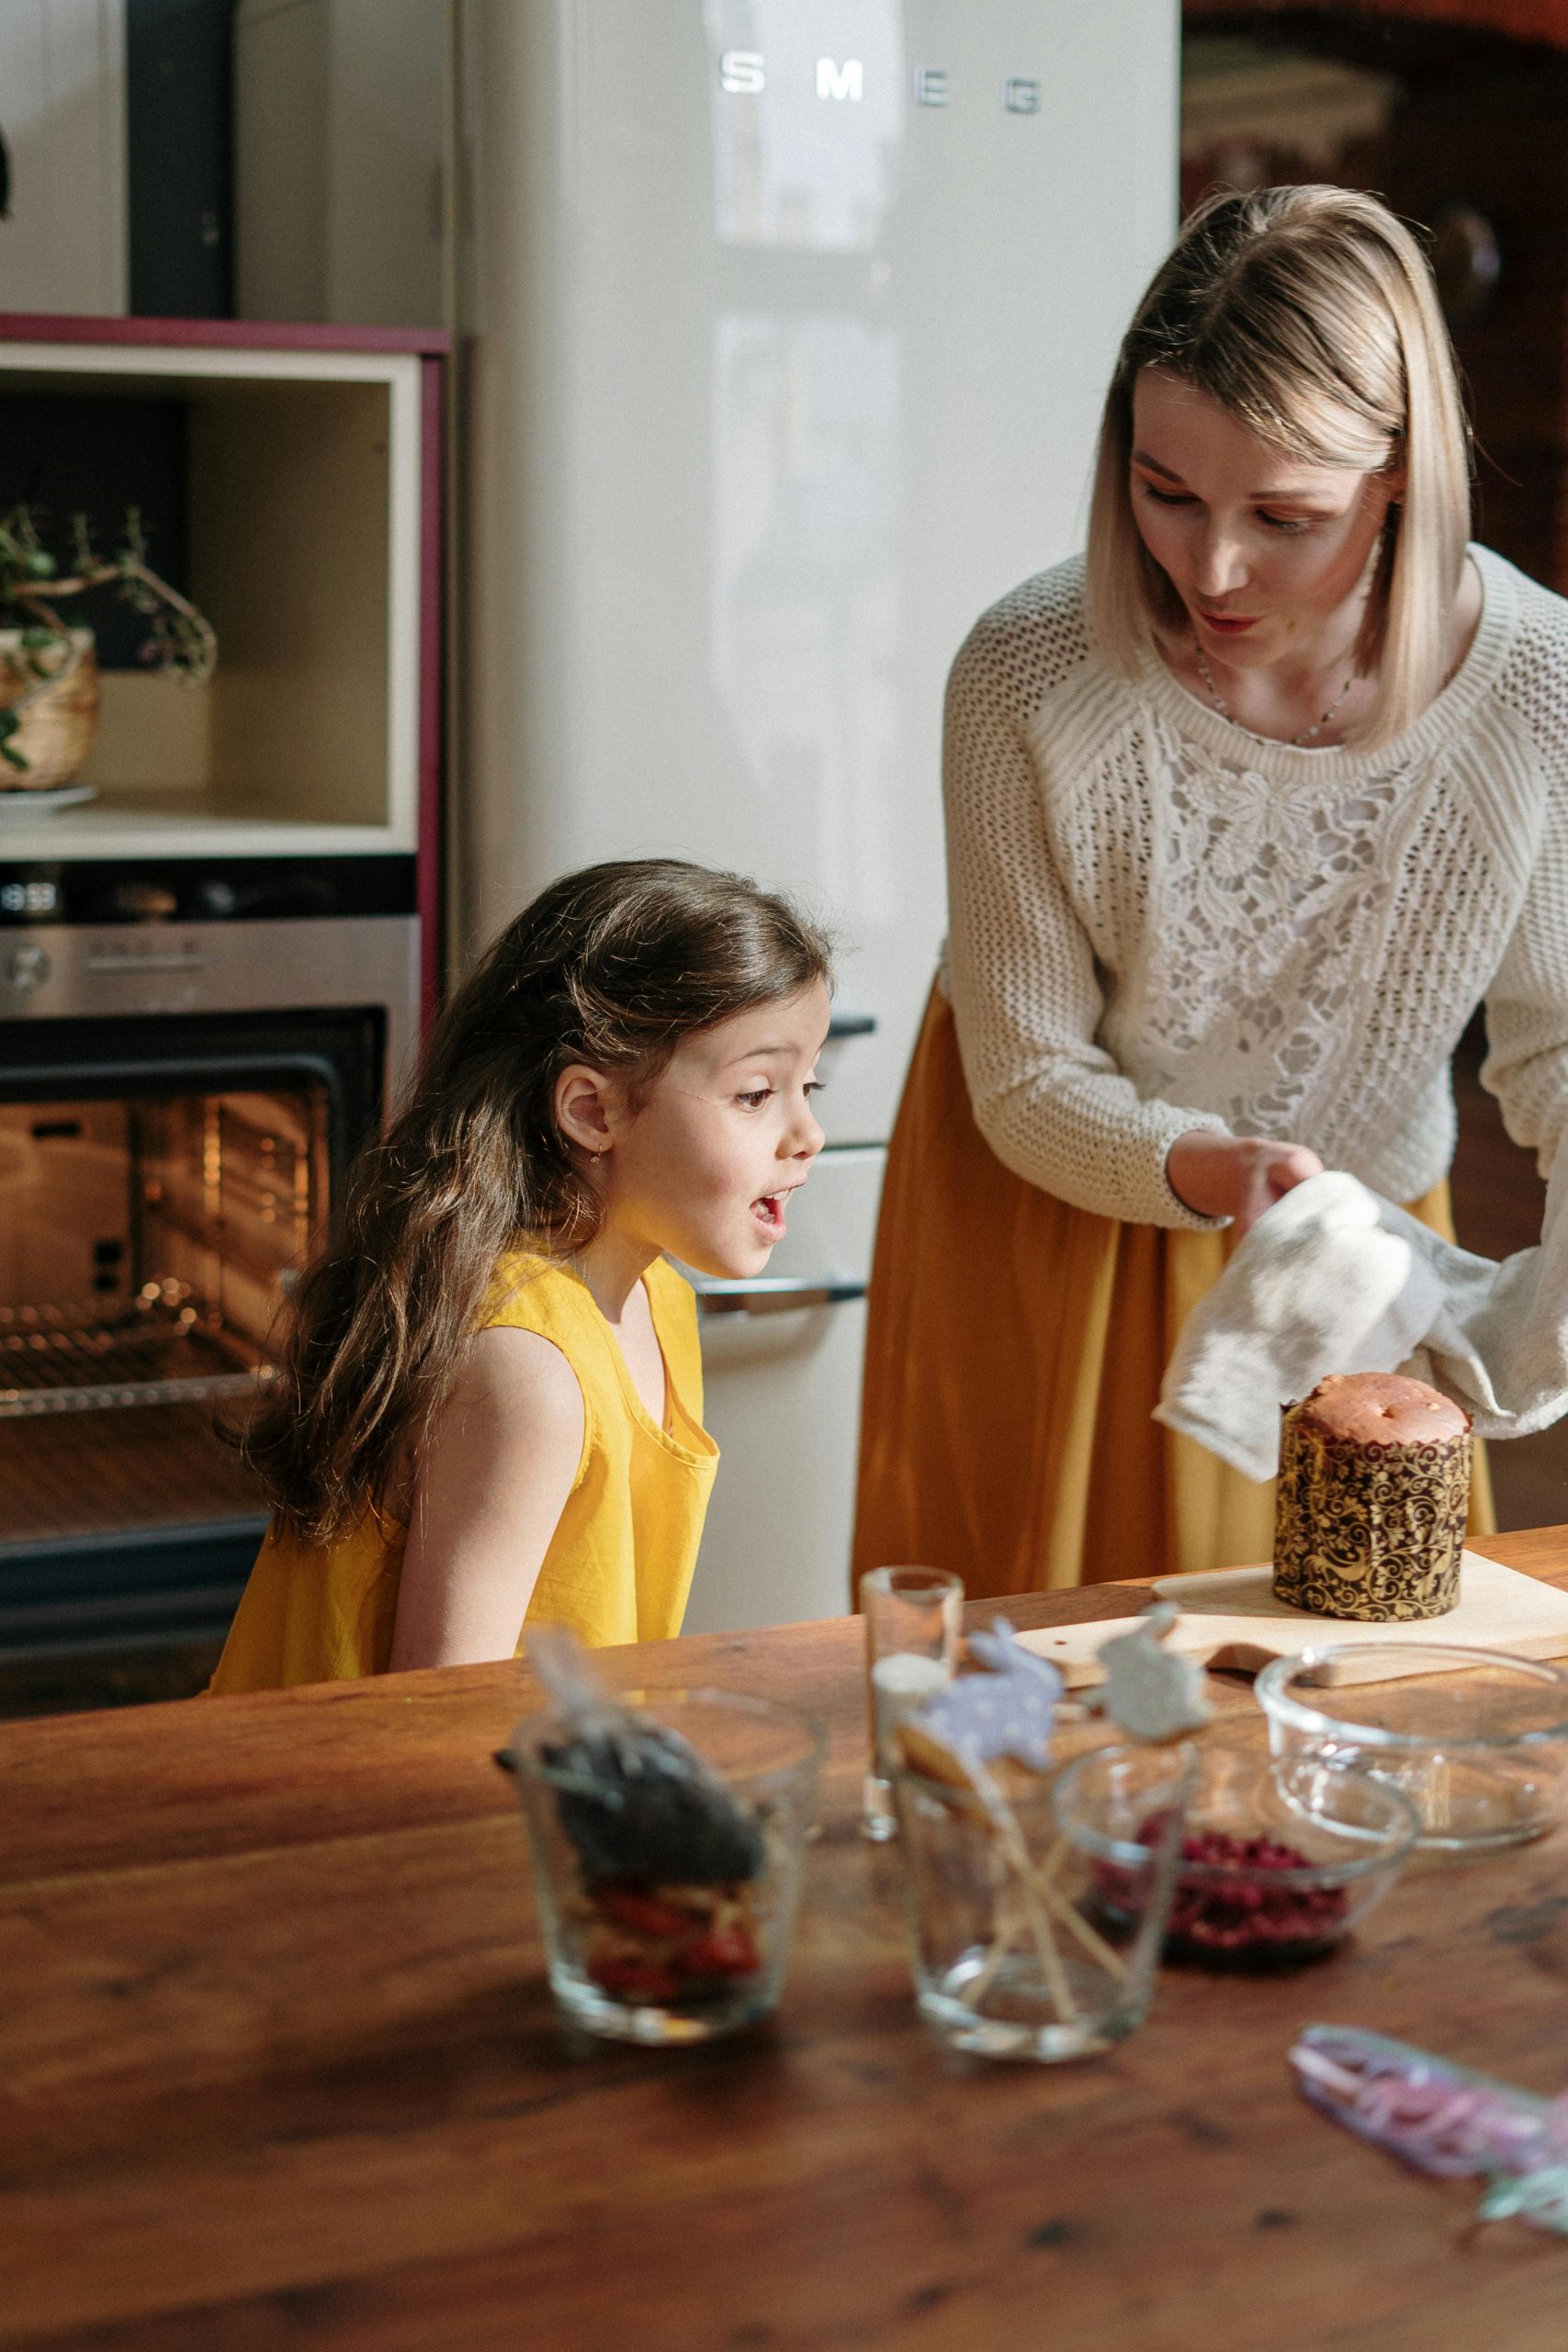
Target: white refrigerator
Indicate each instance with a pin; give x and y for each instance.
(787, 325)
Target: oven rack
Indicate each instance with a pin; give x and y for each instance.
(157, 1350)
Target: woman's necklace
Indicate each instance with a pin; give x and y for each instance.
(1223, 706)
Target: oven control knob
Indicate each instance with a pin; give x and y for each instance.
(144, 901)
(27, 968)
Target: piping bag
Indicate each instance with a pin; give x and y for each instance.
(1443, 2119)
(636, 1799)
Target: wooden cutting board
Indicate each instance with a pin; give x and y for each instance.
(1231, 1618)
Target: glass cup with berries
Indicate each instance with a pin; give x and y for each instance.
(668, 1837)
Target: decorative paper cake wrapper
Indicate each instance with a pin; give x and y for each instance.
(1371, 1531)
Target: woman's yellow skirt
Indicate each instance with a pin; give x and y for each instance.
(1014, 1355)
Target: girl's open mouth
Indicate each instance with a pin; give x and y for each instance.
(769, 1214)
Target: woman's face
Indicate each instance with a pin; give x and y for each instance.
(1269, 554)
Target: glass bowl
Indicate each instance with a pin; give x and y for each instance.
(1477, 1741)
(1280, 1857)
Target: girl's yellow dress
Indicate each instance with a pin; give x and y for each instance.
(1014, 1356)
(619, 1565)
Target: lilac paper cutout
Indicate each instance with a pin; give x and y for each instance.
(1007, 1711)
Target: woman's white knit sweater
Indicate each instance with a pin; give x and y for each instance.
(1159, 922)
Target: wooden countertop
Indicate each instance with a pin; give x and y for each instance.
(279, 2069)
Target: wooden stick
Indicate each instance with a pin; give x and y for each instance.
(1042, 1878)
(984, 1977)
(1050, 1958)
(1052, 1862)
(1015, 1853)
(1093, 1942)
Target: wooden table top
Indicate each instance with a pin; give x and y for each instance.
(279, 2069)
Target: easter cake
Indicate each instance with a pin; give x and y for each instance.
(1372, 1498)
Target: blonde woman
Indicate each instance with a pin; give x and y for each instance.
(1246, 811)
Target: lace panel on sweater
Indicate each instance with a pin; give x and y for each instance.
(1267, 898)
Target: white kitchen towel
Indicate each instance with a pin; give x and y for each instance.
(1334, 1278)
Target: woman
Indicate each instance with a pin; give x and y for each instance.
(1246, 811)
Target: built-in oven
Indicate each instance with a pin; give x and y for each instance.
(181, 1093)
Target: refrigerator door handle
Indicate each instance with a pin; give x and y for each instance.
(852, 1025)
(774, 1294)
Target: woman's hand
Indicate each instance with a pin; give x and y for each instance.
(1236, 1176)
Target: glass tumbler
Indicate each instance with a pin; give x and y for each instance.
(1035, 1926)
(911, 1648)
(649, 1956)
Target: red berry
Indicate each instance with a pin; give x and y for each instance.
(644, 1913)
(726, 1951)
(626, 1979)
(1240, 1912)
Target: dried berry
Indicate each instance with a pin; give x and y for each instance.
(646, 1912)
(1249, 1921)
(627, 1978)
(668, 1943)
(729, 1951)
(1240, 1921)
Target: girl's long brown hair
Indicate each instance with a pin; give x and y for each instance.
(612, 966)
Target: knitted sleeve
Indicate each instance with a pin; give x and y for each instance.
(1050, 1102)
(1526, 1004)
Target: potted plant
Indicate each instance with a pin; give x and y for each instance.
(49, 671)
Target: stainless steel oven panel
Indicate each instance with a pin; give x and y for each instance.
(71, 969)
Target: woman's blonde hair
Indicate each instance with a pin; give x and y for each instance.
(1310, 316)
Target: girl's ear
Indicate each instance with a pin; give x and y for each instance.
(584, 1109)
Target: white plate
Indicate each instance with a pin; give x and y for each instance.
(16, 800)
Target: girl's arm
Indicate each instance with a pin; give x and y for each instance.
(494, 1474)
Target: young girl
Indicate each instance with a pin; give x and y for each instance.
(490, 1403)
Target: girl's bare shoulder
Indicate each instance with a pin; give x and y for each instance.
(515, 1398)
(510, 1369)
